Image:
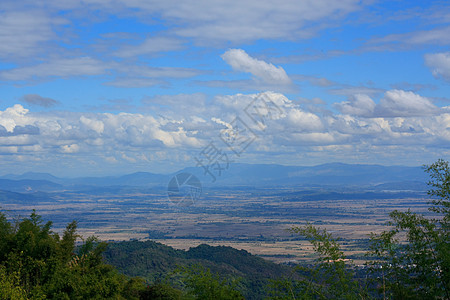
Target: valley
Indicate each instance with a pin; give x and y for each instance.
(252, 218)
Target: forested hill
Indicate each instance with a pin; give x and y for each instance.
(155, 261)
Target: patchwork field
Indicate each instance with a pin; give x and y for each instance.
(245, 218)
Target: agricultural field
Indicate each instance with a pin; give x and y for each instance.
(245, 218)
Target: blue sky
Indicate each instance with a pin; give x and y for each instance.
(110, 87)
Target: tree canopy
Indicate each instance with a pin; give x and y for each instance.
(36, 263)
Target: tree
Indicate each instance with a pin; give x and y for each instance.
(161, 291)
(10, 286)
(328, 278)
(36, 263)
(204, 285)
(413, 257)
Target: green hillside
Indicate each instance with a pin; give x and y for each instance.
(154, 262)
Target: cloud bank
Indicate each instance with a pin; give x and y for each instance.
(395, 103)
(400, 121)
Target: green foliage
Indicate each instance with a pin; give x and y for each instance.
(35, 263)
(154, 261)
(147, 259)
(10, 286)
(204, 285)
(329, 277)
(413, 257)
(162, 291)
(440, 188)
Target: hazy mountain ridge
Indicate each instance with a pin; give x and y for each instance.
(29, 185)
(24, 198)
(237, 174)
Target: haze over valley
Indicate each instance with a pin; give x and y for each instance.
(248, 208)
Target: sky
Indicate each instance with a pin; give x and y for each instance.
(96, 87)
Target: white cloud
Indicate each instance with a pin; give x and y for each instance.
(398, 103)
(37, 38)
(64, 67)
(13, 116)
(135, 138)
(95, 125)
(23, 32)
(188, 127)
(219, 20)
(439, 64)
(74, 148)
(314, 138)
(395, 103)
(137, 76)
(435, 36)
(220, 122)
(239, 60)
(304, 121)
(222, 21)
(358, 105)
(126, 75)
(9, 149)
(92, 133)
(440, 36)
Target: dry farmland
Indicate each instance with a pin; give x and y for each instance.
(244, 218)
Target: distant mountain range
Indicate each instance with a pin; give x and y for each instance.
(252, 175)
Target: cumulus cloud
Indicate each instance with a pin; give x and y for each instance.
(358, 105)
(239, 60)
(313, 138)
(19, 130)
(304, 121)
(73, 132)
(395, 103)
(95, 125)
(439, 64)
(400, 120)
(74, 148)
(398, 103)
(14, 116)
(34, 99)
